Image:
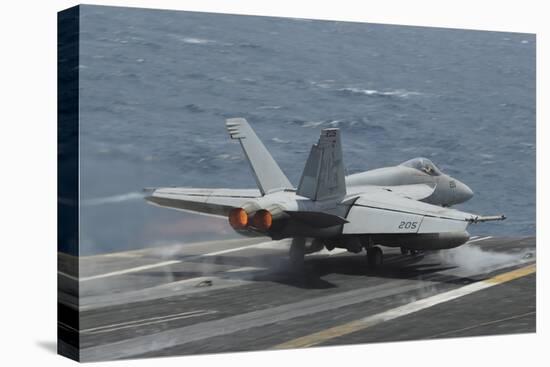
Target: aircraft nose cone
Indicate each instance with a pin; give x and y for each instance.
(464, 192)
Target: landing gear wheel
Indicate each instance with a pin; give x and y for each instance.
(375, 257)
(296, 253)
(404, 251)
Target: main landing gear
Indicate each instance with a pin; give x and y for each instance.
(406, 251)
(375, 257)
(297, 253)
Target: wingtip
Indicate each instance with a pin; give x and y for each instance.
(235, 121)
(481, 219)
(234, 127)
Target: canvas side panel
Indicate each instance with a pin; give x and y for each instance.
(67, 182)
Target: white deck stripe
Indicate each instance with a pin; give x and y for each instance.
(327, 334)
(129, 270)
(145, 322)
(141, 320)
(261, 244)
(479, 239)
(245, 268)
(160, 264)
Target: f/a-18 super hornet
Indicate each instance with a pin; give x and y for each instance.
(404, 206)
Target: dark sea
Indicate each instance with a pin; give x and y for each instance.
(156, 87)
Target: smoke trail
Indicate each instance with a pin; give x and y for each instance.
(114, 199)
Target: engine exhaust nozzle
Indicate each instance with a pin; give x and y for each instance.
(262, 220)
(238, 218)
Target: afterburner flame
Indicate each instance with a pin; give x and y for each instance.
(262, 220)
(238, 218)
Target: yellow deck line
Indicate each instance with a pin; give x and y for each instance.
(511, 275)
(357, 325)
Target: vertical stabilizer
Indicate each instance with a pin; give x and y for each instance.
(267, 172)
(324, 176)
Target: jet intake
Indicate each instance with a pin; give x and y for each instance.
(238, 218)
(262, 220)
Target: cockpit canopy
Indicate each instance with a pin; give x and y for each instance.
(424, 165)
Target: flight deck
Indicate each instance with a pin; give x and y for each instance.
(241, 295)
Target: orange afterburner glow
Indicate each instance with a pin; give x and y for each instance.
(238, 219)
(262, 220)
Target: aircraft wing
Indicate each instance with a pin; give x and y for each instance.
(217, 202)
(377, 210)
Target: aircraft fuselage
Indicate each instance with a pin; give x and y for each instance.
(448, 190)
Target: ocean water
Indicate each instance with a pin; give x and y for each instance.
(156, 87)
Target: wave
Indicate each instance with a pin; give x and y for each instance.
(269, 107)
(486, 155)
(355, 91)
(402, 93)
(312, 123)
(280, 141)
(362, 123)
(197, 41)
(323, 84)
(228, 157)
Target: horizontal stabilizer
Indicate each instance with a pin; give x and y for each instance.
(317, 219)
(218, 202)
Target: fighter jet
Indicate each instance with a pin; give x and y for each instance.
(406, 206)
